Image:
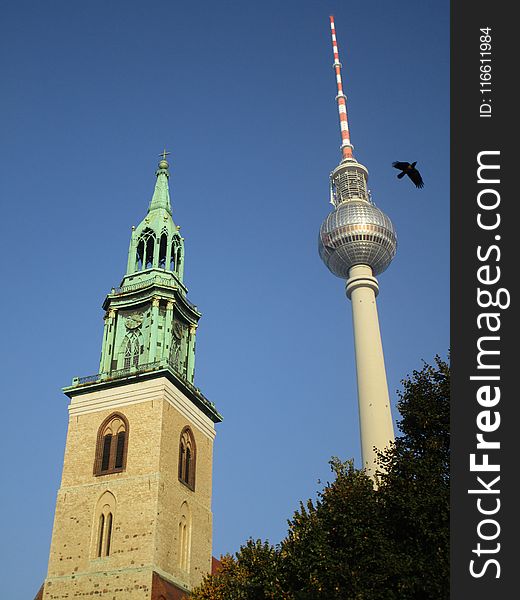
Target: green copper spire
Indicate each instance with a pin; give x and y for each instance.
(156, 242)
(148, 318)
(161, 194)
(150, 326)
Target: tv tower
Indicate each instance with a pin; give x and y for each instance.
(356, 242)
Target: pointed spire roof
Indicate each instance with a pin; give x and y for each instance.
(156, 242)
(161, 194)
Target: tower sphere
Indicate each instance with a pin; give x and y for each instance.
(357, 233)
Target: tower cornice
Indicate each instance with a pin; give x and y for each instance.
(84, 385)
(159, 284)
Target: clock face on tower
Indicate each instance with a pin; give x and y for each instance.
(133, 321)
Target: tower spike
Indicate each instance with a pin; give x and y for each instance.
(161, 194)
(346, 146)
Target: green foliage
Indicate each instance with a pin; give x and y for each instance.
(356, 541)
(333, 549)
(253, 574)
(414, 492)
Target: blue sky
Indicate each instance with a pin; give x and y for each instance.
(242, 94)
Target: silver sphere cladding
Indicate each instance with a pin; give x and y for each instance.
(357, 233)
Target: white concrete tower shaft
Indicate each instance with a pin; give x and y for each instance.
(375, 415)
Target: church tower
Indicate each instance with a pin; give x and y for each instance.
(133, 514)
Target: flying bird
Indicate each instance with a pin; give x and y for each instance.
(409, 169)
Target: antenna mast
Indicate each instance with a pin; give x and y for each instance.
(346, 146)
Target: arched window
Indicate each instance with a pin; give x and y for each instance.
(103, 525)
(131, 351)
(176, 255)
(101, 534)
(140, 255)
(185, 537)
(150, 248)
(176, 343)
(173, 255)
(187, 458)
(112, 445)
(145, 250)
(163, 250)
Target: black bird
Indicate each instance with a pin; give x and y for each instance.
(411, 171)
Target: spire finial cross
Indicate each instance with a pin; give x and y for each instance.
(164, 154)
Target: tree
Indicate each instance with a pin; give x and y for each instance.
(414, 492)
(252, 574)
(335, 548)
(357, 541)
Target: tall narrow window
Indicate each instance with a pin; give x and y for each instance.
(178, 330)
(187, 474)
(140, 256)
(182, 460)
(128, 355)
(184, 548)
(175, 355)
(107, 445)
(187, 458)
(120, 448)
(163, 250)
(131, 350)
(104, 517)
(112, 445)
(101, 534)
(173, 256)
(182, 543)
(135, 357)
(145, 250)
(178, 262)
(150, 248)
(108, 534)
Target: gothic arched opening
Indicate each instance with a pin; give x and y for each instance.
(112, 445)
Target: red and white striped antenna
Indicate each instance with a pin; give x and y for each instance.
(346, 146)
